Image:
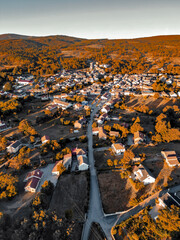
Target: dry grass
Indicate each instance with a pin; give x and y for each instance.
(115, 192)
(71, 193)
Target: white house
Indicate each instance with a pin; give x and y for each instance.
(143, 175)
(14, 147)
(173, 94)
(45, 139)
(82, 163)
(118, 148)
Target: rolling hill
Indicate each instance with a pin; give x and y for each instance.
(125, 55)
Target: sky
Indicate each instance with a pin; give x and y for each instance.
(90, 18)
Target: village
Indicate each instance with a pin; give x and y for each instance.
(46, 136)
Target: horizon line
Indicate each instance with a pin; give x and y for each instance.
(106, 38)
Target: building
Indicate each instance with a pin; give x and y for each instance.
(61, 104)
(81, 158)
(78, 151)
(78, 106)
(173, 94)
(14, 147)
(82, 163)
(33, 179)
(55, 170)
(138, 137)
(45, 139)
(95, 131)
(118, 148)
(114, 134)
(36, 173)
(171, 158)
(79, 123)
(102, 133)
(105, 109)
(142, 174)
(67, 160)
(169, 199)
(3, 126)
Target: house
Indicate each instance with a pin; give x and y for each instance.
(44, 97)
(95, 131)
(25, 82)
(78, 106)
(138, 137)
(61, 96)
(114, 134)
(173, 94)
(32, 184)
(86, 107)
(14, 147)
(81, 158)
(78, 151)
(171, 158)
(164, 94)
(52, 108)
(102, 133)
(118, 148)
(3, 126)
(33, 179)
(79, 123)
(82, 163)
(67, 160)
(55, 170)
(36, 173)
(105, 96)
(102, 118)
(169, 199)
(61, 104)
(143, 175)
(45, 139)
(105, 109)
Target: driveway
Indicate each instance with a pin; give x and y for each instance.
(47, 175)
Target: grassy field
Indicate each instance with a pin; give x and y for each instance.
(153, 104)
(71, 194)
(119, 191)
(113, 191)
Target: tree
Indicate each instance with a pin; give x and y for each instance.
(47, 188)
(61, 168)
(164, 132)
(109, 162)
(128, 156)
(94, 125)
(7, 87)
(21, 160)
(26, 128)
(136, 127)
(3, 143)
(7, 185)
(40, 202)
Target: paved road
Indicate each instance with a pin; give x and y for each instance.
(95, 211)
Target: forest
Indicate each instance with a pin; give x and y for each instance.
(47, 55)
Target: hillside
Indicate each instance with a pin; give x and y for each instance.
(125, 55)
(13, 36)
